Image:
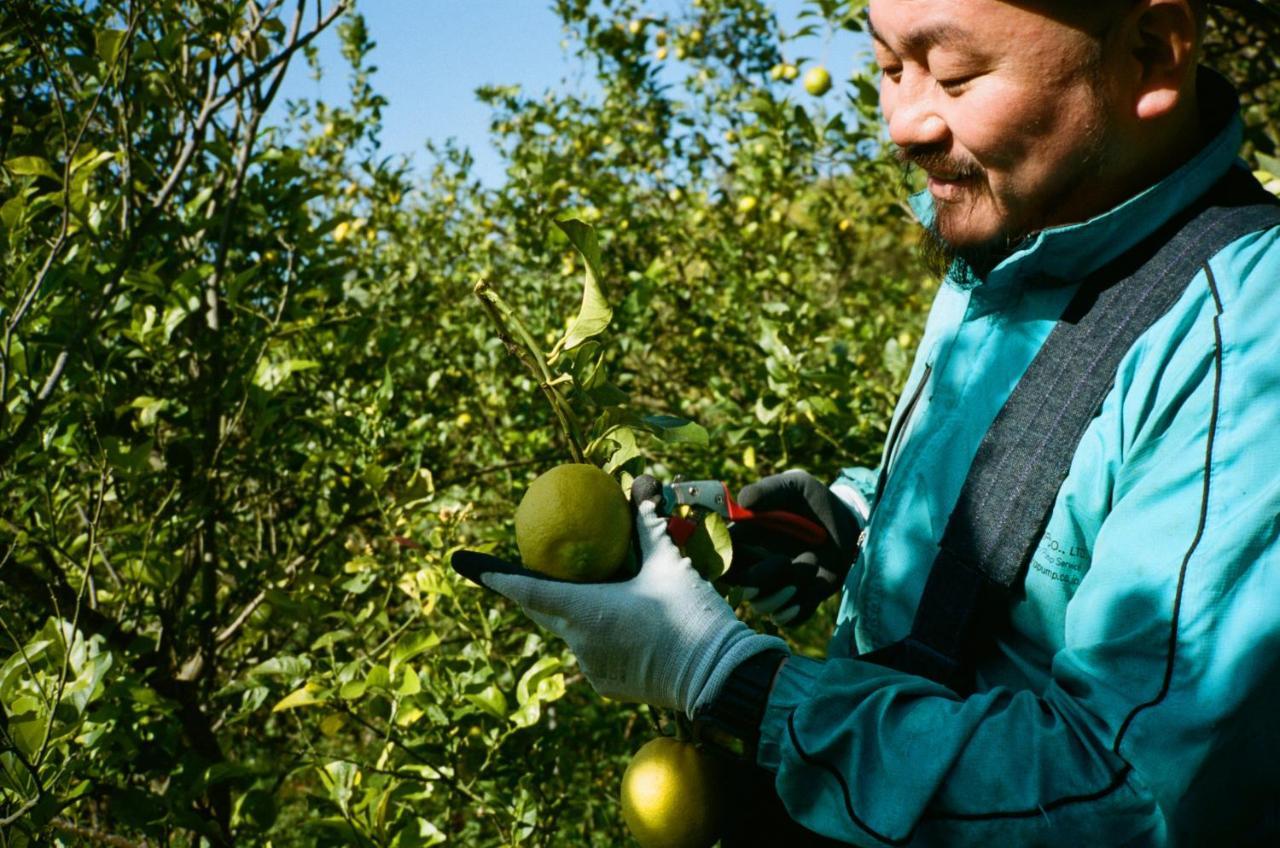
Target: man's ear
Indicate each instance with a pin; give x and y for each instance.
(1165, 45)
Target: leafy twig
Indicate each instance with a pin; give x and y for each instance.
(532, 357)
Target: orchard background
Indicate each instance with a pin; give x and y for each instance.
(249, 402)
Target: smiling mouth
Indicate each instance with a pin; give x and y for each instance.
(949, 187)
(951, 177)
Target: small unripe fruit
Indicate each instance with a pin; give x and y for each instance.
(817, 81)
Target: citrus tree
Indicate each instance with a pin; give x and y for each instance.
(250, 400)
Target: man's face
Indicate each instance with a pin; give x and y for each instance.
(1003, 109)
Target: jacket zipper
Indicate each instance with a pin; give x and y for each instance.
(896, 436)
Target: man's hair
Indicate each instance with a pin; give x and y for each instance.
(1097, 16)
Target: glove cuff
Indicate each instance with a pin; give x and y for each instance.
(730, 718)
(850, 488)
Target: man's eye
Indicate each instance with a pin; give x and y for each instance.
(955, 85)
(892, 72)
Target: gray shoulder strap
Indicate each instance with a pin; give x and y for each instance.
(1014, 479)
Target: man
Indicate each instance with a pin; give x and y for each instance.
(1116, 689)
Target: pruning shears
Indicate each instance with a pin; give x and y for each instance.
(713, 495)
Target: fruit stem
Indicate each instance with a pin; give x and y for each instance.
(531, 355)
(684, 727)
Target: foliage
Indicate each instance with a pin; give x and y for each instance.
(249, 402)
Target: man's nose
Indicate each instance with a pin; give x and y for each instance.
(913, 121)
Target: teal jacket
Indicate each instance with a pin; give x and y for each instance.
(1134, 697)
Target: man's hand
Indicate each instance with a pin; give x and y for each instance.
(784, 577)
(664, 637)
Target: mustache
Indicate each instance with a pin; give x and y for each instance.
(936, 160)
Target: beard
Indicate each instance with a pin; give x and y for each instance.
(961, 263)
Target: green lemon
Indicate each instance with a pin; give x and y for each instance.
(817, 81)
(574, 523)
(671, 796)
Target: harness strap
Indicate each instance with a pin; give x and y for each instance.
(1019, 467)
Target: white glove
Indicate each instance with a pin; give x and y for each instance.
(664, 637)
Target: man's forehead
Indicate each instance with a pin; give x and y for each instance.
(921, 37)
(978, 26)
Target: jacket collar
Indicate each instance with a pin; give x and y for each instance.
(1071, 252)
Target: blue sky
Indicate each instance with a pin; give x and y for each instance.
(431, 55)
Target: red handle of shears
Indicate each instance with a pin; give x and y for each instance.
(788, 523)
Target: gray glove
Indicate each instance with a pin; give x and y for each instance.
(783, 576)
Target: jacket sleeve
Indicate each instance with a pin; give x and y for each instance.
(1155, 723)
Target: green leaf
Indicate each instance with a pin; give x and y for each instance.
(331, 637)
(608, 395)
(26, 723)
(85, 687)
(1270, 164)
(411, 646)
(148, 408)
(417, 833)
(595, 313)
(491, 700)
(410, 684)
(107, 44)
(671, 428)
(530, 679)
(270, 374)
(360, 583)
(541, 684)
(352, 689)
(283, 667)
(12, 670)
(31, 166)
(11, 212)
(627, 449)
(711, 547)
(192, 206)
(764, 414)
(378, 677)
(83, 166)
(311, 693)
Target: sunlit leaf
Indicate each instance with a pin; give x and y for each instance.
(311, 693)
(31, 166)
(595, 313)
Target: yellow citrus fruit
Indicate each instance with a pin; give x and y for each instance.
(574, 523)
(671, 796)
(817, 81)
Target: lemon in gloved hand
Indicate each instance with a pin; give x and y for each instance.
(574, 523)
